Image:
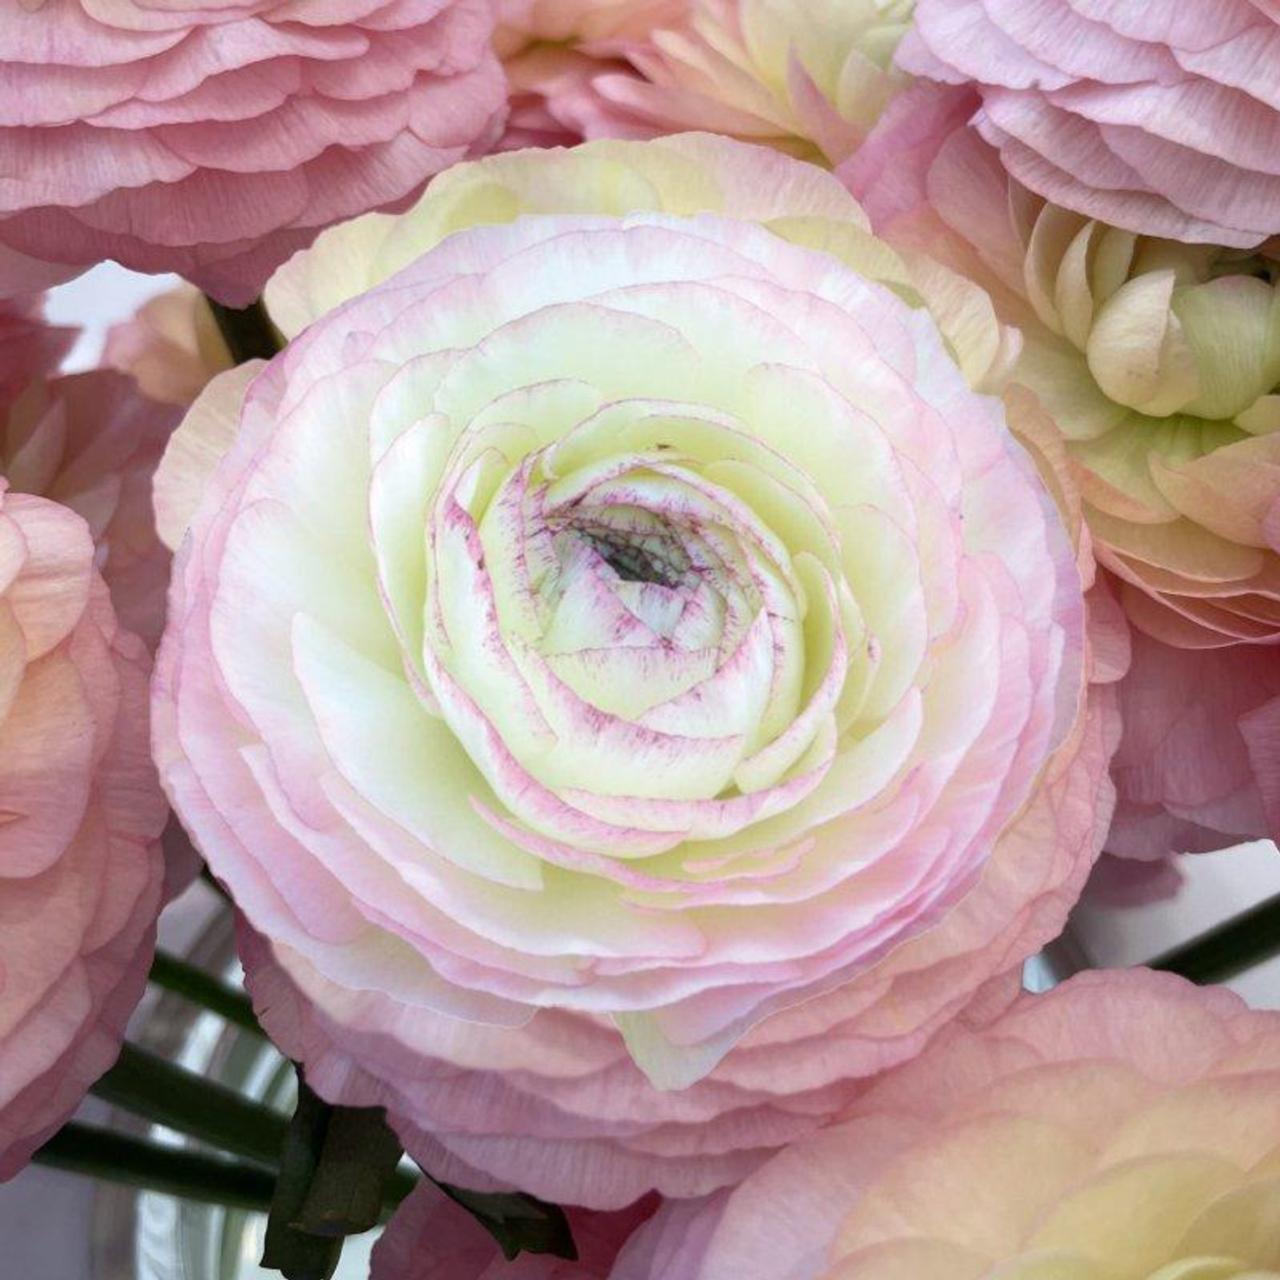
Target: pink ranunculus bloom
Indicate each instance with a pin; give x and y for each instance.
(92, 441)
(172, 347)
(432, 1238)
(1193, 766)
(809, 77)
(1122, 1127)
(1159, 363)
(1162, 118)
(80, 819)
(553, 49)
(504, 852)
(1159, 366)
(216, 140)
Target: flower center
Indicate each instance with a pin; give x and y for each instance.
(659, 559)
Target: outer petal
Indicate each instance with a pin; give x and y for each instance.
(221, 142)
(1100, 1153)
(82, 874)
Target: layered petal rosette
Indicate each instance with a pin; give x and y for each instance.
(665, 637)
(1158, 361)
(1122, 1127)
(80, 819)
(809, 77)
(552, 50)
(216, 140)
(1162, 118)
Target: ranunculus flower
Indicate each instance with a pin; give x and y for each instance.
(1122, 1127)
(172, 347)
(216, 140)
(552, 50)
(92, 442)
(1158, 361)
(1192, 765)
(80, 818)
(809, 77)
(432, 1238)
(466, 706)
(1160, 118)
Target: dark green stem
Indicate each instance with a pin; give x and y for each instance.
(247, 331)
(296, 1253)
(1230, 949)
(353, 1179)
(132, 1162)
(205, 990)
(179, 1099)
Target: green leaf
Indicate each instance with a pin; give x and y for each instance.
(519, 1223)
(298, 1254)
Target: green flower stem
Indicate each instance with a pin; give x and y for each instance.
(248, 331)
(205, 990)
(179, 1099)
(1230, 949)
(133, 1162)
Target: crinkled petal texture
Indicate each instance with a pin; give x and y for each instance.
(809, 77)
(1162, 118)
(1122, 1127)
(1196, 749)
(216, 140)
(681, 174)
(552, 50)
(1158, 364)
(92, 441)
(432, 1238)
(632, 619)
(80, 819)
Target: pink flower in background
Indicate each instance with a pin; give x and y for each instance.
(1162, 118)
(80, 819)
(809, 77)
(432, 1238)
(1122, 1126)
(92, 442)
(172, 347)
(1195, 763)
(29, 348)
(1158, 364)
(216, 141)
(553, 49)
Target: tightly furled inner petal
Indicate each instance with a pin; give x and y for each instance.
(654, 637)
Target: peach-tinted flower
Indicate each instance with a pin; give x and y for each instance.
(1158, 361)
(473, 913)
(91, 441)
(1122, 1127)
(432, 1238)
(216, 140)
(809, 77)
(80, 818)
(1163, 119)
(172, 347)
(553, 49)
